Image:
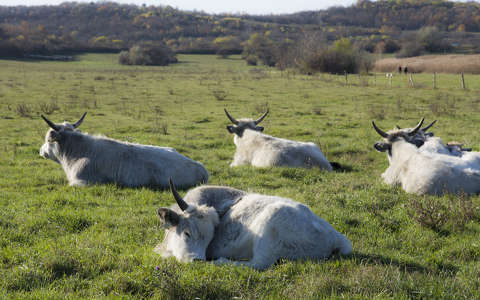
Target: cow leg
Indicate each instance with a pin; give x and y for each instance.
(265, 254)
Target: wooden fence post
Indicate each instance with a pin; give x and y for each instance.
(411, 81)
(463, 81)
(375, 79)
(434, 80)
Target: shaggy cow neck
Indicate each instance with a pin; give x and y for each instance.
(74, 146)
(249, 136)
(402, 151)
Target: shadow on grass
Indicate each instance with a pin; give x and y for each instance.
(341, 168)
(408, 267)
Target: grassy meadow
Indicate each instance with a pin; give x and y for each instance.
(58, 241)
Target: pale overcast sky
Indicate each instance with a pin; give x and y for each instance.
(216, 6)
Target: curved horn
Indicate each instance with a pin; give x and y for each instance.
(428, 126)
(414, 130)
(398, 127)
(181, 203)
(379, 131)
(50, 123)
(79, 121)
(234, 121)
(262, 117)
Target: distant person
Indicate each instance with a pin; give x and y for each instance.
(405, 70)
(399, 69)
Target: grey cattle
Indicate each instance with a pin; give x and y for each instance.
(88, 159)
(422, 172)
(427, 142)
(249, 229)
(261, 150)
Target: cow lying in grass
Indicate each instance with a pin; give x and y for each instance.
(421, 172)
(427, 142)
(88, 159)
(261, 150)
(231, 226)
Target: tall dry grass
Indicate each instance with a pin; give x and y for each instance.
(432, 63)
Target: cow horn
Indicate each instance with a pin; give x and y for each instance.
(398, 127)
(428, 126)
(181, 203)
(379, 131)
(79, 121)
(234, 121)
(262, 117)
(51, 124)
(414, 130)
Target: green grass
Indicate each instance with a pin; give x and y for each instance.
(58, 241)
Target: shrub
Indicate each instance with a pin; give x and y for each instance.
(226, 46)
(148, 54)
(124, 58)
(339, 58)
(452, 212)
(387, 46)
(410, 49)
(48, 108)
(261, 47)
(23, 110)
(251, 60)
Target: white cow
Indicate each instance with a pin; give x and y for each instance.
(88, 159)
(427, 142)
(261, 150)
(249, 229)
(422, 172)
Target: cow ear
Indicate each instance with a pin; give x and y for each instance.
(168, 217)
(54, 136)
(231, 128)
(382, 147)
(234, 129)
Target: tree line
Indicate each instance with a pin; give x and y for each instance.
(404, 27)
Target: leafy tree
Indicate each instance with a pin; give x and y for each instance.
(410, 49)
(260, 46)
(155, 54)
(227, 45)
(432, 39)
(338, 58)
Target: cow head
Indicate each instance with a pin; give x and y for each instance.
(421, 135)
(416, 136)
(189, 232)
(240, 125)
(395, 135)
(55, 136)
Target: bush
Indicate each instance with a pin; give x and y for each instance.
(148, 54)
(124, 58)
(227, 45)
(251, 60)
(339, 58)
(410, 49)
(261, 47)
(387, 46)
(450, 213)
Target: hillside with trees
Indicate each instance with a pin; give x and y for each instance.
(380, 26)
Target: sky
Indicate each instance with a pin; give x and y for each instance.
(216, 6)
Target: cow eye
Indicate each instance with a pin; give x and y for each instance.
(187, 234)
